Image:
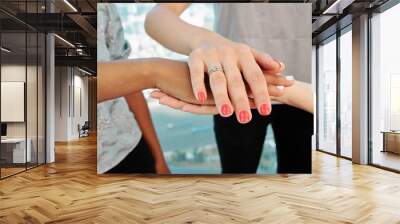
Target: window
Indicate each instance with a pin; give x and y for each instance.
(22, 88)
(346, 93)
(385, 89)
(327, 96)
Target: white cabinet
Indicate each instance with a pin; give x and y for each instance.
(17, 148)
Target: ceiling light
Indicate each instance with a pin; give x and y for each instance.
(337, 7)
(70, 5)
(79, 51)
(5, 50)
(84, 71)
(65, 41)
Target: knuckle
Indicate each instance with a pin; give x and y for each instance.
(219, 95)
(260, 92)
(210, 51)
(195, 71)
(254, 77)
(243, 48)
(241, 101)
(225, 49)
(236, 82)
(196, 53)
(217, 78)
(196, 83)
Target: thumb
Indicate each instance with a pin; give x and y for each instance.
(267, 63)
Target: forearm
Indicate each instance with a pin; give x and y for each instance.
(298, 95)
(138, 105)
(120, 78)
(178, 36)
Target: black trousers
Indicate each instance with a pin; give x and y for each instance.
(240, 146)
(139, 160)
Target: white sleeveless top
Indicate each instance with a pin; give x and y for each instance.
(117, 131)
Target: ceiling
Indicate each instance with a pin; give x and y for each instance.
(75, 21)
(331, 15)
(72, 20)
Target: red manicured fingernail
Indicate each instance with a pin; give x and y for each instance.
(225, 109)
(244, 116)
(201, 96)
(265, 109)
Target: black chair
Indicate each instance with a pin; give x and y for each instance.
(84, 130)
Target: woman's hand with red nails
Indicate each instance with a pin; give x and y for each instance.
(172, 77)
(276, 88)
(238, 66)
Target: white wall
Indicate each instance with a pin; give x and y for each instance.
(12, 73)
(50, 94)
(61, 103)
(33, 126)
(78, 117)
(70, 83)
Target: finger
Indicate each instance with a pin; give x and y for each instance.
(171, 102)
(237, 91)
(200, 109)
(196, 68)
(279, 80)
(257, 84)
(218, 87)
(276, 91)
(273, 91)
(252, 104)
(267, 63)
(156, 94)
(277, 85)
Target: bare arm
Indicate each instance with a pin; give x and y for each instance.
(178, 36)
(124, 77)
(121, 78)
(298, 95)
(138, 105)
(237, 64)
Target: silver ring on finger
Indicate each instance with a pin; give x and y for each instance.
(215, 68)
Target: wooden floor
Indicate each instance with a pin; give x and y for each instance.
(387, 159)
(70, 191)
(10, 171)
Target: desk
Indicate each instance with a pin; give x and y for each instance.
(13, 150)
(391, 141)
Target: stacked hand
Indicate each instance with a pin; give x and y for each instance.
(236, 77)
(276, 88)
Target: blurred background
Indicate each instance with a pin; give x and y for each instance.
(51, 47)
(187, 140)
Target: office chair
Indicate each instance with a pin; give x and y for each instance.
(84, 130)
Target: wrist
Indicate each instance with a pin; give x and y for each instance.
(158, 75)
(151, 72)
(210, 38)
(166, 71)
